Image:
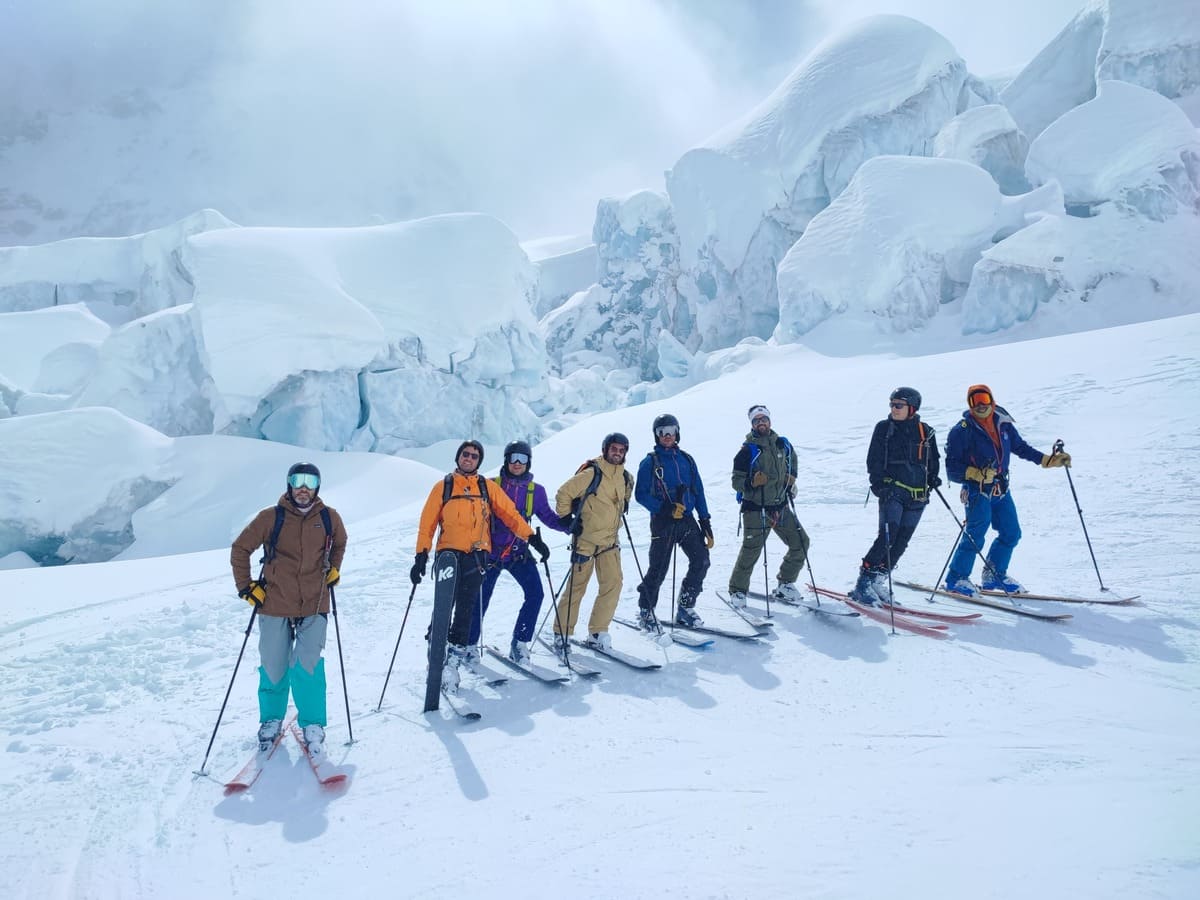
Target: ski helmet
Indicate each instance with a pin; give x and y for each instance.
(666, 420)
(517, 447)
(470, 443)
(615, 438)
(303, 468)
(911, 396)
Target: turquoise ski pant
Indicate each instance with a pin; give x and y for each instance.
(290, 654)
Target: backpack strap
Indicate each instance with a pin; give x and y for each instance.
(269, 546)
(448, 489)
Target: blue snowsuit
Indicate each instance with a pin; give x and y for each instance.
(987, 503)
(666, 477)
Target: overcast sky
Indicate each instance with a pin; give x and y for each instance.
(532, 109)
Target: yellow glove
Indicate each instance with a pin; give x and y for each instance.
(983, 476)
(758, 479)
(254, 593)
(333, 576)
(1062, 458)
(678, 511)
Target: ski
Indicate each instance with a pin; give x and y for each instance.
(898, 621)
(254, 766)
(907, 610)
(826, 610)
(627, 659)
(460, 707)
(988, 602)
(541, 673)
(746, 615)
(578, 666)
(684, 640)
(717, 632)
(445, 574)
(327, 773)
(491, 677)
(1055, 598)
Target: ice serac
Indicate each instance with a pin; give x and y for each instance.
(1129, 146)
(119, 279)
(27, 339)
(566, 266)
(884, 86)
(40, 453)
(988, 137)
(616, 322)
(155, 371)
(896, 244)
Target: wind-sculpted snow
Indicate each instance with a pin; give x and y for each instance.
(1128, 145)
(119, 279)
(988, 137)
(28, 338)
(886, 86)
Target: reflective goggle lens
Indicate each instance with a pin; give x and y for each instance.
(521, 458)
(304, 480)
(664, 430)
(899, 404)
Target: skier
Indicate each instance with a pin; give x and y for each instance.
(903, 465)
(593, 501)
(977, 455)
(303, 543)
(460, 508)
(764, 476)
(511, 554)
(669, 486)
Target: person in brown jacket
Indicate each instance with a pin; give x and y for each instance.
(596, 497)
(303, 543)
(456, 505)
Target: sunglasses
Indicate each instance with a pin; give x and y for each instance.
(518, 459)
(468, 454)
(304, 480)
(618, 448)
(664, 430)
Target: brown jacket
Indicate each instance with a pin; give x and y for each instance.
(602, 511)
(295, 579)
(465, 519)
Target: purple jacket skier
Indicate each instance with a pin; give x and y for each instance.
(511, 554)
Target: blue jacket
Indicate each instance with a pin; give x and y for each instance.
(969, 444)
(667, 477)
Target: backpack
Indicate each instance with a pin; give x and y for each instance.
(448, 490)
(755, 451)
(528, 497)
(280, 512)
(577, 503)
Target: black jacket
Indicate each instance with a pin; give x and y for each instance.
(906, 452)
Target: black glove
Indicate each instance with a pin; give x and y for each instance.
(934, 482)
(418, 567)
(577, 526)
(706, 530)
(535, 541)
(877, 489)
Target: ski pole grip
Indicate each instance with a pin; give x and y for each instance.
(1058, 447)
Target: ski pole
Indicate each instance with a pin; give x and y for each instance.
(228, 690)
(950, 555)
(674, 553)
(403, 621)
(807, 557)
(962, 526)
(663, 639)
(887, 546)
(762, 512)
(1058, 448)
(341, 663)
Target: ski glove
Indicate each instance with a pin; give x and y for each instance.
(333, 576)
(934, 482)
(1061, 458)
(418, 567)
(706, 530)
(758, 479)
(535, 541)
(985, 475)
(877, 488)
(678, 511)
(254, 593)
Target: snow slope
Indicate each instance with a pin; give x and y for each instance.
(1018, 759)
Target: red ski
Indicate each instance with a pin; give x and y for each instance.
(255, 765)
(888, 617)
(966, 618)
(327, 773)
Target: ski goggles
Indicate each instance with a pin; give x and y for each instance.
(522, 458)
(898, 404)
(664, 430)
(304, 480)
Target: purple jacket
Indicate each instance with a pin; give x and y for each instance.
(506, 546)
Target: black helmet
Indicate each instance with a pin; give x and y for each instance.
(518, 447)
(470, 443)
(911, 396)
(667, 420)
(303, 468)
(615, 438)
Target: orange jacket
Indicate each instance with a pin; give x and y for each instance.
(465, 519)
